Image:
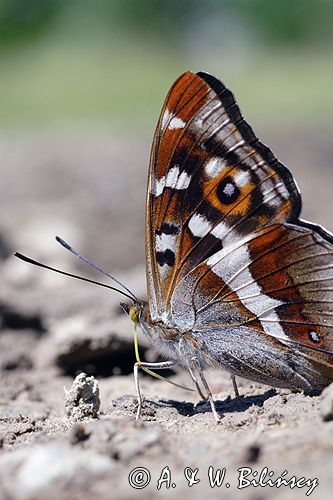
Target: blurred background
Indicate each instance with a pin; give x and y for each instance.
(82, 84)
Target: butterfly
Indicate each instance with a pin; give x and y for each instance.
(235, 279)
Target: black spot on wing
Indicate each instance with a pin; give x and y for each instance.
(204, 248)
(194, 194)
(212, 246)
(166, 257)
(167, 228)
(179, 156)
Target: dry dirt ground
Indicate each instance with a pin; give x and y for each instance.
(89, 187)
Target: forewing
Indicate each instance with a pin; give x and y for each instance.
(211, 182)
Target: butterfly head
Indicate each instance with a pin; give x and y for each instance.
(134, 311)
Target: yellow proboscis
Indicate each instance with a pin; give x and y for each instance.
(134, 315)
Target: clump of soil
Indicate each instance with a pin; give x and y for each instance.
(82, 400)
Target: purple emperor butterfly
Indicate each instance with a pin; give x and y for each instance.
(235, 278)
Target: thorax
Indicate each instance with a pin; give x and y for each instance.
(171, 342)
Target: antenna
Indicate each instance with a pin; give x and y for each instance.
(71, 249)
(39, 264)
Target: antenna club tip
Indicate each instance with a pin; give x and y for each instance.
(21, 256)
(62, 242)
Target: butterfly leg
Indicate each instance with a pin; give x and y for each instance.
(155, 366)
(210, 396)
(206, 386)
(196, 383)
(234, 383)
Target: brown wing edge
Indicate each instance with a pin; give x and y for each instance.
(153, 291)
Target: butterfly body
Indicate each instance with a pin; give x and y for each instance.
(235, 278)
(180, 346)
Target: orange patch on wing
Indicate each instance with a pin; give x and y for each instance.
(167, 146)
(186, 89)
(185, 104)
(241, 205)
(185, 99)
(211, 283)
(265, 261)
(168, 211)
(296, 325)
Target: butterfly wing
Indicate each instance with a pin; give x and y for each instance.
(263, 307)
(227, 254)
(211, 181)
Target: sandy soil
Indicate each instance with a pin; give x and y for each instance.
(89, 187)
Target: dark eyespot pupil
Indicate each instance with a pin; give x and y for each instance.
(227, 191)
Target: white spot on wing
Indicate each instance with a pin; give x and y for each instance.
(242, 178)
(171, 122)
(199, 225)
(183, 181)
(158, 186)
(232, 265)
(221, 230)
(282, 190)
(174, 179)
(165, 119)
(164, 270)
(165, 242)
(235, 146)
(176, 123)
(214, 167)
